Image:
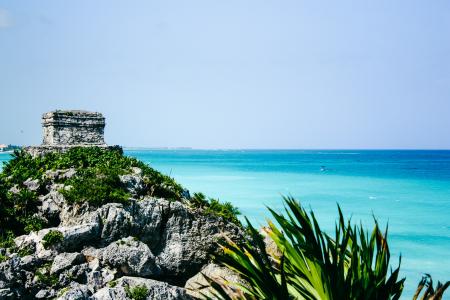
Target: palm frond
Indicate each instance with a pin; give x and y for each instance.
(312, 265)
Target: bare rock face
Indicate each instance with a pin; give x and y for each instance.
(155, 290)
(76, 291)
(31, 185)
(198, 285)
(187, 240)
(60, 174)
(65, 260)
(130, 257)
(180, 239)
(6, 294)
(134, 181)
(51, 205)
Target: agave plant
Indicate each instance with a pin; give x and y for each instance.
(310, 264)
(262, 275)
(429, 293)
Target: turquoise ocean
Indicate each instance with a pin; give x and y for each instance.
(409, 190)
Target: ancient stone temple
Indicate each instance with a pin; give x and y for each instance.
(64, 129)
(73, 127)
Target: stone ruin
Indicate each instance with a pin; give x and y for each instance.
(73, 127)
(64, 129)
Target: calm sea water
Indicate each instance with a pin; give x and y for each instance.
(410, 190)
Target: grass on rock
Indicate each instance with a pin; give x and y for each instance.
(215, 207)
(43, 275)
(139, 292)
(96, 181)
(52, 238)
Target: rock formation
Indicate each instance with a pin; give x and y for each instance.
(146, 247)
(152, 242)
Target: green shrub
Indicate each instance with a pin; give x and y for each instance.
(47, 279)
(33, 223)
(43, 275)
(3, 258)
(214, 207)
(51, 238)
(95, 187)
(25, 204)
(310, 264)
(225, 210)
(198, 200)
(7, 239)
(25, 251)
(139, 292)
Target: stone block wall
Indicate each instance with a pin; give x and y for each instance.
(73, 127)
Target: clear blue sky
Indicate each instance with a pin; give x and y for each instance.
(231, 74)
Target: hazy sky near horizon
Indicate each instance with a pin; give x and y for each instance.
(231, 74)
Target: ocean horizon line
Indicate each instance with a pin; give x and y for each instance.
(133, 148)
(282, 149)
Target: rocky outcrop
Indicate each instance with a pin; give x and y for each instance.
(149, 245)
(134, 181)
(112, 238)
(130, 257)
(122, 288)
(198, 286)
(180, 239)
(64, 261)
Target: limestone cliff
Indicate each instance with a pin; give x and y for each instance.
(79, 220)
(88, 251)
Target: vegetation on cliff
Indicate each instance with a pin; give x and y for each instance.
(310, 264)
(96, 181)
(214, 206)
